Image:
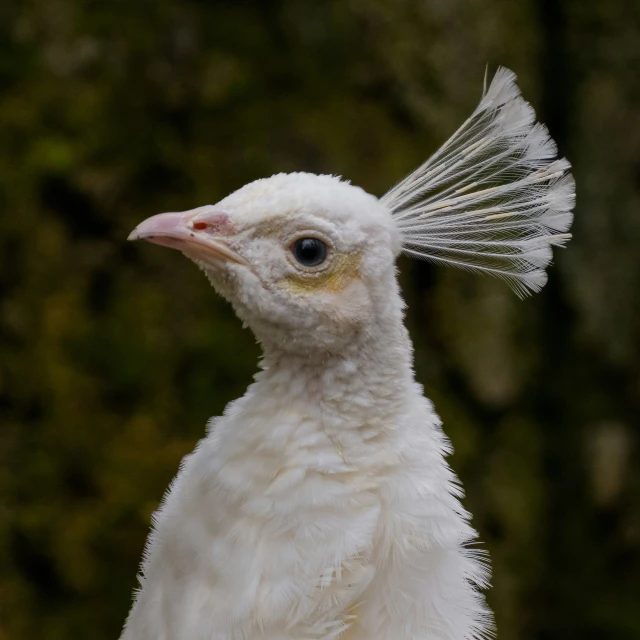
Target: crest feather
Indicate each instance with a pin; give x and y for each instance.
(493, 198)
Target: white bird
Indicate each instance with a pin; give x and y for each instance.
(321, 505)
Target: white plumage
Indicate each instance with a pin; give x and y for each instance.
(493, 198)
(320, 505)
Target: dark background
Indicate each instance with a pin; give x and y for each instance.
(113, 356)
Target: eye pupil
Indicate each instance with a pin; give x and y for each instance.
(309, 252)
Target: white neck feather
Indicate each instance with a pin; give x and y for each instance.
(353, 397)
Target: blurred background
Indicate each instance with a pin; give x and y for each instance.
(113, 356)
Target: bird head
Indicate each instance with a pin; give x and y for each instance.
(304, 259)
(308, 261)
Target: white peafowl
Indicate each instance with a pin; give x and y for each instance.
(321, 505)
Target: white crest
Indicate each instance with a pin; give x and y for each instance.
(493, 198)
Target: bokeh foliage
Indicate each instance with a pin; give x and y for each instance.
(112, 357)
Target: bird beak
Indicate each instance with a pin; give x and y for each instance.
(200, 234)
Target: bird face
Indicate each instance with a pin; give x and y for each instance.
(306, 261)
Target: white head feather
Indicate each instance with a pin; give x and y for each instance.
(493, 198)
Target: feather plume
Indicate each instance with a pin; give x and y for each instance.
(494, 198)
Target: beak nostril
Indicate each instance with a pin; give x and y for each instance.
(200, 226)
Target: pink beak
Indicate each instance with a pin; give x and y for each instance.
(199, 233)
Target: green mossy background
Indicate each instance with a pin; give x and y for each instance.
(113, 356)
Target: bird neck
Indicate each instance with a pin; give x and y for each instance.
(355, 396)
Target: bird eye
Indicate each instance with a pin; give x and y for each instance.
(309, 252)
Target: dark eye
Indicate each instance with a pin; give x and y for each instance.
(309, 252)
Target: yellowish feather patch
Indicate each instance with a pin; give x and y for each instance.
(353, 629)
(345, 269)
